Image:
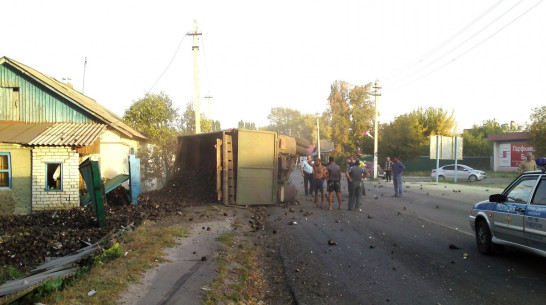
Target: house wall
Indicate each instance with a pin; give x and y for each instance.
(114, 153)
(17, 200)
(507, 155)
(69, 196)
(34, 103)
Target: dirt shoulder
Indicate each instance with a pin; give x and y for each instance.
(203, 267)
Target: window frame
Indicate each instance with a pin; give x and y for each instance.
(7, 170)
(47, 189)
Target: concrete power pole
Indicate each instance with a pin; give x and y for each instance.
(196, 105)
(376, 134)
(208, 97)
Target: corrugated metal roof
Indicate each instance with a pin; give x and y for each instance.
(69, 134)
(85, 102)
(19, 133)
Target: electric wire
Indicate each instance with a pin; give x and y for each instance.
(466, 40)
(442, 44)
(471, 48)
(210, 84)
(170, 63)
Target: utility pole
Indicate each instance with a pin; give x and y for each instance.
(376, 134)
(196, 105)
(318, 136)
(208, 97)
(84, 66)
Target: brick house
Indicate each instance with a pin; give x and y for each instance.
(46, 130)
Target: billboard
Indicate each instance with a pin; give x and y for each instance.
(518, 153)
(446, 147)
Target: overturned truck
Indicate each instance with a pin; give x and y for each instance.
(250, 167)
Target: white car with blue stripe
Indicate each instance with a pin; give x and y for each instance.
(516, 217)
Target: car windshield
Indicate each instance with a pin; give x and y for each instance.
(521, 191)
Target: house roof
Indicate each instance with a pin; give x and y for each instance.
(508, 136)
(51, 134)
(20, 133)
(83, 102)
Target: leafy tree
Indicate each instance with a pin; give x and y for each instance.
(475, 139)
(291, 122)
(362, 115)
(246, 125)
(401, 138)
(537, 130)
(284, 121)
(187, 122)
(351, 112)
(155, 116)
(408, 136)
(338, 113)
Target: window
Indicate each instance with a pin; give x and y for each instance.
(540, 194)
(54, 172)
(449, 168)
(5, 170)
(521, 191)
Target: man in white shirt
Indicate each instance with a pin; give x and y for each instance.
(307, 173)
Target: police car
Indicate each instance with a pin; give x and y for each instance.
(516, 217)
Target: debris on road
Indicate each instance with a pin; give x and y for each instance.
(331, 242)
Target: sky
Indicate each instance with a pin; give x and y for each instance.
(479, 60)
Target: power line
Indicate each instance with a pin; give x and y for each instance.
(468, 39)
(471, 48)
(444, 43)
(169, 65)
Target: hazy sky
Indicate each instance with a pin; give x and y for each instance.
(481, 59)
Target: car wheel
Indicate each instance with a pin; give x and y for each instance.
(483, 238)
(441, 178)
(473, 178)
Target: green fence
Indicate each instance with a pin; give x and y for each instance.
(424, 163)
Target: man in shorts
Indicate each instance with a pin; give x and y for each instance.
(319, 173)
(334, 182)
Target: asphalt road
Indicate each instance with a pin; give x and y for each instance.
(397, 251)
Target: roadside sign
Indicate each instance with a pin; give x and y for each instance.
(443, 148)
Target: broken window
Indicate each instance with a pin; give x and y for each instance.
(54, 172)
(5, 170)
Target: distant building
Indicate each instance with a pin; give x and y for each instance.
(509, 150)
(46, 130)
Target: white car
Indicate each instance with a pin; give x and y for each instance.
(463, 172)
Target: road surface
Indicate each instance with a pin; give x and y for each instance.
(417, 249)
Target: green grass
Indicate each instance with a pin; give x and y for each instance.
(113, 270)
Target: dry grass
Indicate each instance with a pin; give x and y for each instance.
(240, 277)
(142, 249)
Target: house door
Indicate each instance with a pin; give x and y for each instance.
(9, 104)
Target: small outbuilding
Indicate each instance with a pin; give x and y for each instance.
(509, 150)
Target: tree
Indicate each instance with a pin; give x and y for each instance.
(537, 130)
(155, 116)
(187, 122)
(401, 138)
(246, 125)
(408, 135)
(475, 139)
(351, 112)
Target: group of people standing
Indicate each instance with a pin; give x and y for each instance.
(314, 174)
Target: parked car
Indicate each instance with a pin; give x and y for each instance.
(380, 171)
(516, 217)
(463, 172)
